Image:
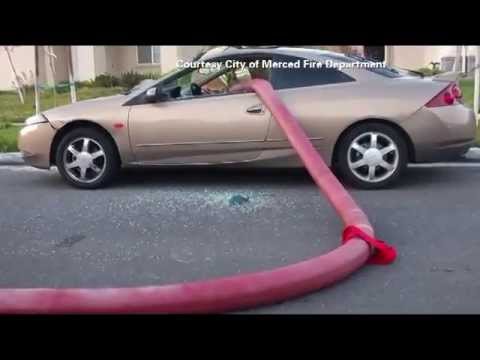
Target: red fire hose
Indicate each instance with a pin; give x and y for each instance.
(235, 292)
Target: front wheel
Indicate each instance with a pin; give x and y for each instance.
(371, 156)
(86, 158)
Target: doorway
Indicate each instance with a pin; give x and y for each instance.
(376, 53)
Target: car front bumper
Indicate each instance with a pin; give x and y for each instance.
(34, 142)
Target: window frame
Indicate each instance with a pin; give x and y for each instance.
(245, 57)
(281, 57)
(389, 72)
(151, 54)
(140, 98)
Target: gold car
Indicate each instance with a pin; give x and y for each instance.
(366, 121)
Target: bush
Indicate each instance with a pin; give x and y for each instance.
(130, 79)
(105, 80)
(28, 89)
(62, 87)
(83, 84)
(126, 80)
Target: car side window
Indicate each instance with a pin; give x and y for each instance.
(228, 81)
(200, 83)
(286, 78)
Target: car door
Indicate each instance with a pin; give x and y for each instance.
(212, 129)
(314, 96)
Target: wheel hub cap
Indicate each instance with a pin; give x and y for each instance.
(373, 157)
(84, 160)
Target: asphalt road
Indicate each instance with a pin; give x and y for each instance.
(158, 227)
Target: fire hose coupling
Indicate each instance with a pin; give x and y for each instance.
(383, 254)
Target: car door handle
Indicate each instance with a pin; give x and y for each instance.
(255, 109)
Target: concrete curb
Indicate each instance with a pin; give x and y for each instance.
(15, 158)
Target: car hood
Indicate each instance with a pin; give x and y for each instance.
(92, 109)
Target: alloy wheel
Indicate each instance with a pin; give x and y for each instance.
(84, 160)
(373, 157)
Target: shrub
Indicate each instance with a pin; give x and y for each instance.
(83, 84)
(131, 78)
(126, 80)
(152, 75)
(62, 87)
(105, 80)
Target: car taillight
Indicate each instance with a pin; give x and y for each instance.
(446, 97)
(457, 92)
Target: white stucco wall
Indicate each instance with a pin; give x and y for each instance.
(24, 60)
(168, 58)
(83, 62)
(113, 59)
(408, 57)
(188, 52)
(100, 60)
(415, 57)
(46, 75)
(120, 59)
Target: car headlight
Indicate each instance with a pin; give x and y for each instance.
(36, 119)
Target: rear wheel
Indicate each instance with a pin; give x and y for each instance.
(371, 156)
(87, 158)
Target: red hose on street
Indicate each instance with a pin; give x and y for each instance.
(234, 292)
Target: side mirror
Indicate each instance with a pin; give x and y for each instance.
(155, 94)
(151, 95)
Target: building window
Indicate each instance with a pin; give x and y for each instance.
(148, 54)
(447, 63)
(376, 53)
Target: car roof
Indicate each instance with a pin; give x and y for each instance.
(307, 53)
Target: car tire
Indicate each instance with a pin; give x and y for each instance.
(371, 156)
(87, 158)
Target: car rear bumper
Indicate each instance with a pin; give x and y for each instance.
(447, 153)
(34, 142)
(443, 133)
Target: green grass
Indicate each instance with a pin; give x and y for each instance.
(8, 138)
(467, 86)
(467, 89)
(13, 111)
